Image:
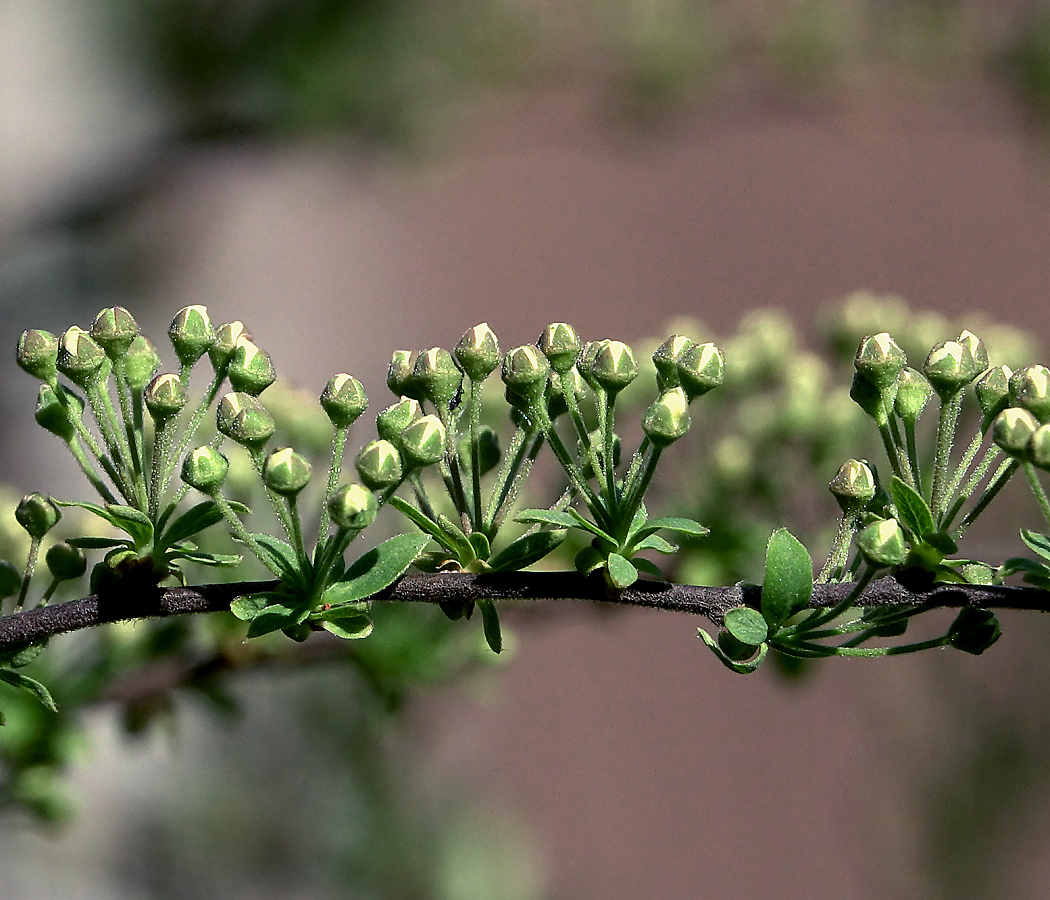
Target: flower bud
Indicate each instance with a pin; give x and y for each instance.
(205, 469)
(882, 544)
(913, 393)
(438, 377)
(561, 345)
(668, 418)
(395, 419)
(870, 399)
(1012, 429)
(113, 330)
(250, 369)
(614, 367)
(37, 353)
(164, 396)
(585, 363)
(352, 506)
(400, 375)
(226, 339)
(243, 419)
(477, 352)
(343, 400)
(65, 562)
(80, 359)
(191, 333)
(37, 514)
(853, 486)
(993, 389)
(52, 414)
(700, 369)
(1030, 389)
(666, 360)
(423, 442)
(950, 367)
(525, 372)
(140, 362)
(880, 360)
(379, 465)
(1039, 447)
(977, 349)
(286, 472)
(10, 579)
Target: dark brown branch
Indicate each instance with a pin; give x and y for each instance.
(712, 602)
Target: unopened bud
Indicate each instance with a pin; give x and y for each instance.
(395, 419)
(343, 400)
(668, 418)
(226, 339)
(423, 442)
(379, 465)
(977, 349)
(352, 506)
(525, 372)
(191, 333)
(478, 352)
(561, 345)
(250, 368)
(205, 469)
(164, 396)
(52, 413)
(286, 472)
(37, 514)
(1030, 389)
(666, 360)
(113, 330)
(1039, 447)
(853, 486)
(438, 377)
(400, 375)
(701, 368)
(870, 399)
(879, 359)
(80, 359)
(614, 366)
(882, 544)
(913, 393)
(37, 353)
(140, 362)
(1012, 429)
(65, 562)
(993, 390)
(243, 419)
(950, 367)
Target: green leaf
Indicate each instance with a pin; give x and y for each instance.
(490, 623)
(788, 585)
(622, 572)
(546, 517)
(247, 608)
(129, 520)
(379, 568)
(1036, 573)
(336, 610)
(974, 630)
(276, 617)
(746, 625)
(940, 541)
(22, 654)
(204, 559)
(648, 566)
(454, 540)
(480, 545)
(1036, 542)
(191, 522)
(671, 523)
(281, 555)
(527, 550)
(30, 686)
(99, 543)
(588, 525)
(914, 512)
(655, 542)
(741, 668)
(350, 628)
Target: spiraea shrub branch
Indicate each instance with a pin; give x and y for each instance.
(183, 461)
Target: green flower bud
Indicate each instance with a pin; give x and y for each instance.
(379, 465)
(993, 390)
(950, 367)
(352, 506)
(872, 400)
(113, 330)
(913, 393)
(250, 369)
(700, 369)
(65, 562)
(561, 345)
(614, 367)
(37, 353)
(10, 579)
(191, 334)
(286, 472)
(37, 514)
(557, 404)
(1012, 429)
(395, 419)
(423, 442)
(585, 363)
(164, 396)
(438, 377)
(52, 414)
(1030, 389)
(140, 362)
(488, 450)
(525, 371)
(853, 486)
(1039, 447)
(205, 469)
(477, 352)
(400, 375)
(880, 360)
(882, 544)
(977, 349)
(668, 418)
(343, 400)
(80, 359)
(242, 418)
(226, 339)
(666, 360)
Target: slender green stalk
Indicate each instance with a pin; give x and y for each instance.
(512, 461)
(577, 419)
(27, 573)
(632, 500)
(609, 444)
(839, 548)
(913, 454)
(947, 420)
(89, 470)
(506, 502)
(1037, 489)
(244, 535)
(196, 417)
(476, 522)
(334, 470)
(960, 473)
(1002, 475)
(296, 534)
(568, 464)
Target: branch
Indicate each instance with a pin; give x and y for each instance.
(712, 602)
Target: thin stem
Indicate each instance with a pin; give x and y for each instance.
(27, 573)
(334, 470)
(297, 533)
(913, 453)
(632, 501)
(512, 461)
(476, 522)
(609, 445)
(1002, 475)
(569, 466)
(947, 420)
(89, 470)
(1037, 489)
(195, 418)
(839, 548)
(244, 535)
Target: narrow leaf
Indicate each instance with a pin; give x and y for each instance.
(456, 542)
(741, 668)
(30, 686)
(1038, 543)
(527, 550)
(914, 512)
(194, 520)
(788, 585)
(247, 608)
(490, 623)
(746, 625)
(379, 568)
(276, 617)
(349, 629)
(657, 543)
(281, 555)
(672, 523)
(648, 566)
(99, 543)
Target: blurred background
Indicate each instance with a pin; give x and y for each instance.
(351, 176)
